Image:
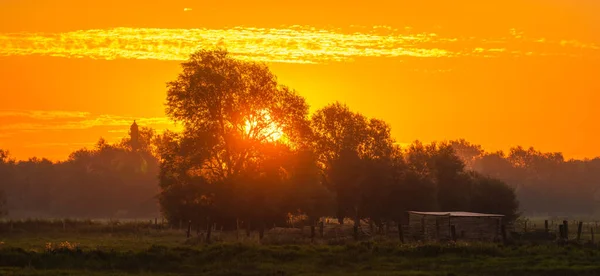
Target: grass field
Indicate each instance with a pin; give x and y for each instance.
(127, 249)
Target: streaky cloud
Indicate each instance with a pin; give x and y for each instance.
(293, 44)
(34, 120)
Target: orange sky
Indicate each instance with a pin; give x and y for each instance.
(498, 74)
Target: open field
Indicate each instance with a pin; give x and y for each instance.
(365, 258)
(140, 249)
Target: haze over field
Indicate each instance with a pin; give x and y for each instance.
(497, 74)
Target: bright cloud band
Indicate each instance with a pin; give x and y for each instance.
(33, 120)
(290, 45)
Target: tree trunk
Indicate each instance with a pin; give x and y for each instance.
(400, 234)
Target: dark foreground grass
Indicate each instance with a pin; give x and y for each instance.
(366, 258)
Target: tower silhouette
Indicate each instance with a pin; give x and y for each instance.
(134, 134)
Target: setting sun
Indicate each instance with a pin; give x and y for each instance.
(261, 127)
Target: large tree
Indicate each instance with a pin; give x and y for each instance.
(236, 118)
(233, 106)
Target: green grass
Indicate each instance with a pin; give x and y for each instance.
(170, 255)
(140, 249)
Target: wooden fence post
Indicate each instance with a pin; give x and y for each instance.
(248, 229)
(400, 234)
(546, 225)
(592, 232)
(312, 231)
(566, 229)
(453, 232)
(208, 230)
(579, 227)
(261, 230)
(321, 228)
(189, 228)
(387, 228)
(503, 232)
(237, 229)
(561, 231)
(437, 229)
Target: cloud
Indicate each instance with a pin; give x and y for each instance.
(69, 145)
(13, 121)
(43, 114)
(293, 44)
(187, 9)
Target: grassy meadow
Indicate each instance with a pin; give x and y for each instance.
(43, 247)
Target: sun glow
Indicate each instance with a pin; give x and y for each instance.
(263, 128)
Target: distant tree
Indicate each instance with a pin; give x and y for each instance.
(348, 147)
(467, 152)
(4, 156)
(494, 196)
(438, 163)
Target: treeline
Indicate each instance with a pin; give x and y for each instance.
(250, 153)
(108, 181)
(546, 183)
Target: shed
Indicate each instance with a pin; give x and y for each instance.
(436, 226)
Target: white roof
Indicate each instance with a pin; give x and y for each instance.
(455, 214)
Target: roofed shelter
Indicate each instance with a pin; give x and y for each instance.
(436, 226)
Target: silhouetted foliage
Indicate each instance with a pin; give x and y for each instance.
(351, 149)
(226, 165)
(249, 152)
(107, 181)
(230, 153)
(545, 183)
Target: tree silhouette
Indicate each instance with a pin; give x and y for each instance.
(346, 142)
(233, 113)
(216, 97)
